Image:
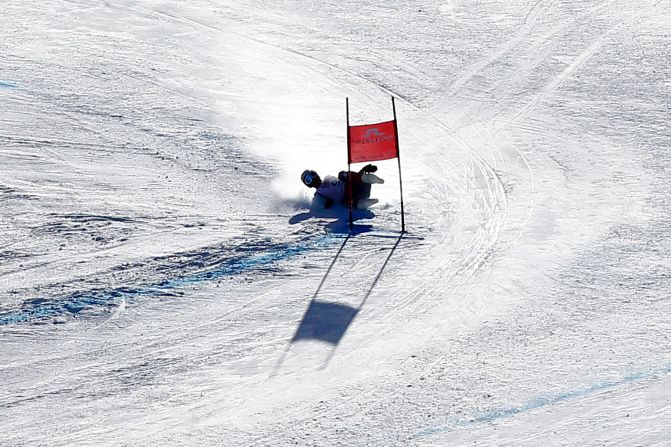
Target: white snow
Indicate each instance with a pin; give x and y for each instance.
(164, 283)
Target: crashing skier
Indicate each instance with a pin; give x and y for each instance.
(335, 190)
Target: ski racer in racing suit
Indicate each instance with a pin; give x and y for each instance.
(334, 190)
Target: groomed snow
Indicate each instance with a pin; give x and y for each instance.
(163, 281)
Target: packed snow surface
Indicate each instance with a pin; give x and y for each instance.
(163, 280)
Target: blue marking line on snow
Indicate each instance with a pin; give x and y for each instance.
(39, 309)
(7, 84)
(546, 401)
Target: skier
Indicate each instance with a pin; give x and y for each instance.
(334, 190)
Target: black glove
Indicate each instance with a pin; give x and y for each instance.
(368, 168)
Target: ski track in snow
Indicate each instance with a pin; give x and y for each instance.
(543, 401)
(139, 201)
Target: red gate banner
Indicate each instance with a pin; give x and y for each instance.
(372, 142)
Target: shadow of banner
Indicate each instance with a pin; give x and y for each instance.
(327, 321)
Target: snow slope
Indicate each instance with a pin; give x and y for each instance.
(164, 283)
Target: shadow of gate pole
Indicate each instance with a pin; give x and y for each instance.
(328, 321)
(363, 302)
